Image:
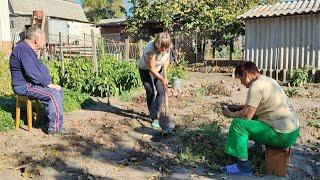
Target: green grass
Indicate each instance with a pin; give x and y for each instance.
(200, 92)
(5, 78)
(314, 118)
(291, 92)
(127, 96)
(205, 147)
(6, 121)
(73, 100)
(7, 107)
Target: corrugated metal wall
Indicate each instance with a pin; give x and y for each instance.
(285, 42)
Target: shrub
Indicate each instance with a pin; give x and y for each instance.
(54, 70)
(5, 77)
(7, 107)
(115, 76)
(6, 121)
(177, 70)
(73, 100)
(300, 76)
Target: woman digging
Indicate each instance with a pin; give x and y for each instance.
(151, 66)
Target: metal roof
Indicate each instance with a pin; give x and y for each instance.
(283, 9)
(52, 8)
(112, 22)
(120, 21)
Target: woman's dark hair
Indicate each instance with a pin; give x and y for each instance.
(246, 66)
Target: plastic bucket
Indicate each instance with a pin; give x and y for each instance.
(177, 83)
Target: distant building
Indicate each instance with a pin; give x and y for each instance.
(283, 36)
(5, 36)
(113, 29)
(65, 16)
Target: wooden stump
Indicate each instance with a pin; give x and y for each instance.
(276, 160)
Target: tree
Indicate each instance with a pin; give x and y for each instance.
(216, 15)
(103, 9)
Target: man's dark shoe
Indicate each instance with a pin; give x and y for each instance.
(62, 131)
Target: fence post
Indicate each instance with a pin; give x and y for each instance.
(127, 49)
(61, 56)
(231, 49)
(94, 52)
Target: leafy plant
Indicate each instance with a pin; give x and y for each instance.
(5, 77)
(6, 121)
(314, 118)
(54, 67)
(204, 146)
(7, 107)
(291, 92)
(114, 76)
(177, 70)
(300, 76)
(73, 100)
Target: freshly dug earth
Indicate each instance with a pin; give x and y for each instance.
(116, 140)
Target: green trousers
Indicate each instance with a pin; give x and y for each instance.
(241, 130)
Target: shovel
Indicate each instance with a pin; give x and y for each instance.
(167, 122)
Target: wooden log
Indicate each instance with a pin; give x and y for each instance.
(276, 160)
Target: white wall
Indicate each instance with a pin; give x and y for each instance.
(4, 20)
(72, 29)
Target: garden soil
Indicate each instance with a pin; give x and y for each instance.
(116, 141)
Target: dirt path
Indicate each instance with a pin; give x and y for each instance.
(116, 141)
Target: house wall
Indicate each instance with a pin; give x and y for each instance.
(116, 32)
(113, 33)
(5, 37)
(71, 31)
(18, 27)
(284, 42)
(55, 26)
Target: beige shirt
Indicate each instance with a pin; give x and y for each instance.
(272, 105)
(160, 58)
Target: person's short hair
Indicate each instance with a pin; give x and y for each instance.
(246, 66)
(33, 32)
(163, 39)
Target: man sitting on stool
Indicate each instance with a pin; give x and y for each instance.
(30, 77)
(276, 123)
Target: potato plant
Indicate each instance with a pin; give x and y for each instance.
(114, 76)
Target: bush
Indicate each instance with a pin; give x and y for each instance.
(5, 77)
(115, 76)
(73, 100)
(177, 70)
(6, 121)
(7, 107)
(300, 76)
(54, 70)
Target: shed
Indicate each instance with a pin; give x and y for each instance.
(284, 35)
(113, 29)
(63, 16)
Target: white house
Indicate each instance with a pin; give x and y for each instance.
(5, 37)
(65, 16)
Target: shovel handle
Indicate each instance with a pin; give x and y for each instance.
(166, 100)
